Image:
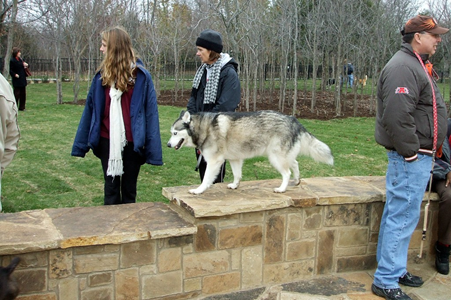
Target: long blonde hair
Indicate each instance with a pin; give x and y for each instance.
(119, 60)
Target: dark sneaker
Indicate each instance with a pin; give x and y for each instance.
(390, 294)
(411, 280)
(442, 258)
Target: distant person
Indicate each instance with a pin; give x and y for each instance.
(9, 130)
(349, 72)
(409, 128)
(120, 121)
(19, 77)
(216, 86)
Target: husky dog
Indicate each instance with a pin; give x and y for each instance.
(236, 136)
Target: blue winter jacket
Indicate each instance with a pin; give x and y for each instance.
(143, 113)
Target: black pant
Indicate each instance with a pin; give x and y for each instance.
(444, 211)
(124, 185)
(203, 166)
(20, 93)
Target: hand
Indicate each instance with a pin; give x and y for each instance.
(25, 65)
(448, 179)
(17, 75)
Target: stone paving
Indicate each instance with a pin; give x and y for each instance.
(347, 286)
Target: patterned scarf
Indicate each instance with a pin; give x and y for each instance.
(213, 72)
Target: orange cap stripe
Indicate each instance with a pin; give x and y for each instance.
(429, 24)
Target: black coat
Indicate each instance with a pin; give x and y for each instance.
(228, 96)
(16, 67)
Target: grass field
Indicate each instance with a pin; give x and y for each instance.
(43, 174)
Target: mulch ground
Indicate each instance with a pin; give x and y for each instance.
(325, 108)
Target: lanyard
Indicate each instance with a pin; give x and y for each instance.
(434, 149)
(434, 102)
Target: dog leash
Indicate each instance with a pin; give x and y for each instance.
(199, 159)
(434, 150)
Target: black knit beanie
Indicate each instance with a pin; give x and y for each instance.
(211, 40)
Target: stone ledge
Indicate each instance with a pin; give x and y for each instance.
(48, 229)
(324, 226)
(253, 196)
(62, 228)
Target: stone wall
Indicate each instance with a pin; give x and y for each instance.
(220, 242)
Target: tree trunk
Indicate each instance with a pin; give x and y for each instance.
(59, 91)
(76, 86)
(338, 71)
(10, 42)
(315, 70)
(295, 60)
(255, 89)
(247, 80)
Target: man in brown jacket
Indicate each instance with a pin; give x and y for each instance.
(409, 127)
(9, 130)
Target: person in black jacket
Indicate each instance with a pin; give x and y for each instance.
(19, 77)
(441, 185)
(216, 86)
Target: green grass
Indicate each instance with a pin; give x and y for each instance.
(43, 174)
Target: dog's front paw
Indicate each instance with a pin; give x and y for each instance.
(297, 181)
(279, 190)
(196, 191)
(233, 186)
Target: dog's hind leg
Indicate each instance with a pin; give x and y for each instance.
(236, 166)
(281, 165)
(295, 168)
(213, 168)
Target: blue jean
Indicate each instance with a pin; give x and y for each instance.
(405, 186)
(350, 80)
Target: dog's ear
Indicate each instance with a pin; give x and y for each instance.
(181, 114)
(186, 118)
(12, 266)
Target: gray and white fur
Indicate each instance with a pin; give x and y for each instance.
(236, 136)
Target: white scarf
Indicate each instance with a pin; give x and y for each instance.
(117, 134)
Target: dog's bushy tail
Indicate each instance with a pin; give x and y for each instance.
(319, 151)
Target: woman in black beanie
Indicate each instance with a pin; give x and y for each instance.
(216, 86)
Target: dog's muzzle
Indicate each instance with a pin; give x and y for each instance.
(178, 146)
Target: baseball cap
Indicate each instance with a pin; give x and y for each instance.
(424, 23)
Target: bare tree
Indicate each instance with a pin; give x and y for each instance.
(312, 40)
(277, 43)
(443, 16)
(53, 31)
(10, 38)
